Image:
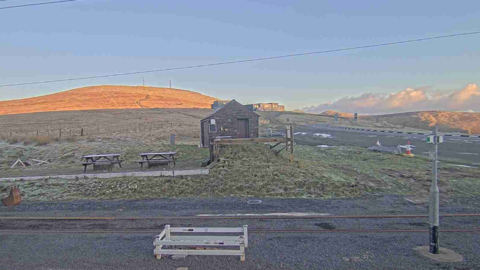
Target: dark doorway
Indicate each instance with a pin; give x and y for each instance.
(206, 134)
(242, 128)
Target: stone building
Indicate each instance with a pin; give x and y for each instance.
(266, 107)
(230, 121)
(219, 103)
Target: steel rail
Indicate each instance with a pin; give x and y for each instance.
(254, 231)
(234, 217)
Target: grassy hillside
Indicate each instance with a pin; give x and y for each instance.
(108, 97)
(119, 125)
(447, 121)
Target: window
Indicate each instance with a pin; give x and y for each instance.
(213, 126)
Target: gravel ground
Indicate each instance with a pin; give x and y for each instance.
(292, 251)
(266, 251)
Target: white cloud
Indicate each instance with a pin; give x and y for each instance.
(466, 99)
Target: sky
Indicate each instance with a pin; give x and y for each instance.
(97, 37)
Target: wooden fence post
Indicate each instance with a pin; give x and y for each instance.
(81, 132)
(291, 143)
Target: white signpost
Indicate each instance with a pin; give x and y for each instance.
(434, 194)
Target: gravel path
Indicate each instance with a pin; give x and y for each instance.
(267, 251)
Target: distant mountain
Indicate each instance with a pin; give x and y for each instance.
(447, 121)
(340, 114)
(108, 97)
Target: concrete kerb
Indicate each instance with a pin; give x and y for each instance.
(444, 255)
(203, 171)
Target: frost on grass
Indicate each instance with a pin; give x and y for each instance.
(254, 170)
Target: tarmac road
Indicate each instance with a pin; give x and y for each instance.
(454, 150)
(328, 250)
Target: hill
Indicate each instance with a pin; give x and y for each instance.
(464, 122)
(340, 114)
(108, 97)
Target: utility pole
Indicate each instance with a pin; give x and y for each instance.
(143, 81)
(434, 194)
(170, 83)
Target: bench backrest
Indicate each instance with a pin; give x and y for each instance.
(208, 233)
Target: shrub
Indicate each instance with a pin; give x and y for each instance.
(13, 140)
(71, 139)
(27, 142)
(42, 140)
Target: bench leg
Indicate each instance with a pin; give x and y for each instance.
(84, 168)
(158, 256)
(141, 166)
(242, 249)
(119, 164)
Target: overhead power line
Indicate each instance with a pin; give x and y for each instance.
(248, 60)
(36, 4)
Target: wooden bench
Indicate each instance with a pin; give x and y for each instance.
(157, 158)
(141, 162)
(103, 159)
(209, 238)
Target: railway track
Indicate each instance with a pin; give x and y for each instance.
(259, 217)
(254, 231)
(52, 221)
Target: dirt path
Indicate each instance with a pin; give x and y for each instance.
(139, 102)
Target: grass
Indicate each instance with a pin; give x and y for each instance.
(254, 170)
(108, 97)
(145, 125)
(65, 154)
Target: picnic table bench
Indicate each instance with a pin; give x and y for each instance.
(102, 159)
(157, 158)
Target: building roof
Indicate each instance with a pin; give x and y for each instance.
(228, 105)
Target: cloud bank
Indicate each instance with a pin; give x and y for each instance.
(466, 99)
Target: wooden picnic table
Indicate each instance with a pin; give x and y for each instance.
(157, 158)
(101, 159)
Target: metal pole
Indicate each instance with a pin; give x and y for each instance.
(434, 198)
(172, 139)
